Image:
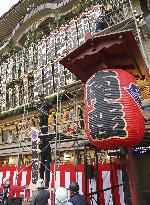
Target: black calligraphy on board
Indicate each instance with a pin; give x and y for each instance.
(48, 80)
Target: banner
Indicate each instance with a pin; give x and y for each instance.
(50, 48)
(3, 97)
(48, 80)
(42, 52)
(31, 58)
(71, 33)
(38, 87)
(9, 70)
(61, 42)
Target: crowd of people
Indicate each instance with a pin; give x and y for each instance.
(61, 195)
(41, 197)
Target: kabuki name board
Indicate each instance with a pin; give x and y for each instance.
(113, 109)
(35, 157)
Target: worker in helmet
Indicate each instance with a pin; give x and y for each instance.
(42, 196)
(8, 192)
(75, 197)
(62, 196)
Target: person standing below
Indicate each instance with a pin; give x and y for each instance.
(75, 197)
(8, 192)
(42, 196)
(62, 196)
(44, 144)
(45, 161)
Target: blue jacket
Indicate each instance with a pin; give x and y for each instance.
(78, 199)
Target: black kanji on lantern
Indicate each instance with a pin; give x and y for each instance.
(105, 115)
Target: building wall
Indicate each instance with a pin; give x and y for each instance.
(35, 68)
(32, 71)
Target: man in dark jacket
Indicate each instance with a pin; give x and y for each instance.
(44, 145)
(43, 114)
(75, 197)
(45, 161)
(42, 196)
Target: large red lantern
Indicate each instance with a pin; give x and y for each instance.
(113, 109)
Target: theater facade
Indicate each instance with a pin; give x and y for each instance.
(34, 37)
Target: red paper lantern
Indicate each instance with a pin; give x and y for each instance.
(113, 110)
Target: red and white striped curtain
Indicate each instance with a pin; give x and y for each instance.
(65, 174)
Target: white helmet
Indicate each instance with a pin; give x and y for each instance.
(5, 179)
(40, 183)
(61, 195)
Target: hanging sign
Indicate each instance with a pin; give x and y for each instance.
(31, 58)
(3, 73)
(9, 70)
(83, 28)
(61, 42)
(42, 52)
(3, 97)
(10, 98)
(48, 80)
(71, 32)
(51, 51)
(56, 73)
(38, 85)
(25, 93)
(17, 94)
(62, 75)
(81, 31)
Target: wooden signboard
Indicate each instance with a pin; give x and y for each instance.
(48, 80)
(71, 32)
(38, 87)
(42, 53)
(50, 48)
(35, 155)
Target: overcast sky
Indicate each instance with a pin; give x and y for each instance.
(5, 5)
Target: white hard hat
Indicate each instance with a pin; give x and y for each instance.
(61, 195)
(40, 183)
(5, 179)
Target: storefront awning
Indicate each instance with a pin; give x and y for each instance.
(119, 50)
